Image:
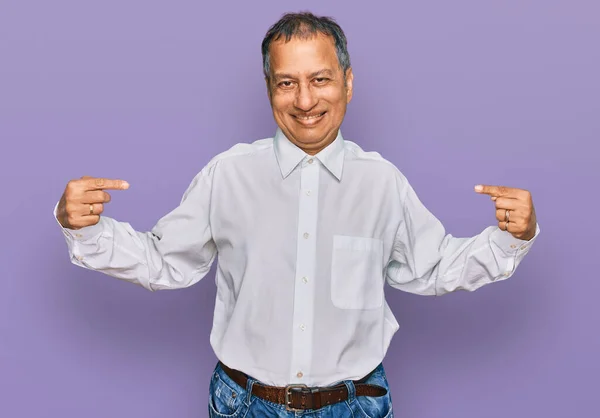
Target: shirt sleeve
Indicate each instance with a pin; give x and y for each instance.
(427, 261)
(177, 252)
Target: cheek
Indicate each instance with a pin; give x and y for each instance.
(336, 98)
(281, 103)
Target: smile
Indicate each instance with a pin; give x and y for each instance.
(310, 119)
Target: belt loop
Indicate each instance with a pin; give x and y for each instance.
(351, 390)
(249, 384)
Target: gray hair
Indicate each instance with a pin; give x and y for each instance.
(306, 25)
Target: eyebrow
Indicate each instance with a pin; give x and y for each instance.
(325, 71)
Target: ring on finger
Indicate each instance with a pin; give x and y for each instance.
(91, 208)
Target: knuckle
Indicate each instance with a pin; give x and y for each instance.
(71, 187)
(99, 182)
(69, 208)
(68, 193)
(525, 195)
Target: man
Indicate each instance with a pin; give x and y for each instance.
(308, 228)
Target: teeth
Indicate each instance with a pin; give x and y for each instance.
(310, 117)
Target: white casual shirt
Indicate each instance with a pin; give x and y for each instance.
(305, 246)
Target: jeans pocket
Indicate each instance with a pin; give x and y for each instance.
(224, 401)
(357, 272)
(375, 406)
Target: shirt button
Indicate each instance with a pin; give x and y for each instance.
(308, 192)
(78, 235)
(305, 280)
(79, 257)
(310, 161)
(513, 246)
(299, 374)
(306, 235)
(302, 327)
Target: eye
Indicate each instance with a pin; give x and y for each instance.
(285, 84)
(321, 80)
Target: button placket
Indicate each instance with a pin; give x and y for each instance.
(305, 267)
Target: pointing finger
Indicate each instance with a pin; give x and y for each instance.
(495, 191)
(100, 183)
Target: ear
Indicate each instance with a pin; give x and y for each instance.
(349, 84)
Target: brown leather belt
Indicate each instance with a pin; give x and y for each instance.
(300, 397)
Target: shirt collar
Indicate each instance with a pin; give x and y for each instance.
(289, 155)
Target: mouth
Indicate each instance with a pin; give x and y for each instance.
(309, 120)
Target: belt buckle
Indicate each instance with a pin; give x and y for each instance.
(288, 393)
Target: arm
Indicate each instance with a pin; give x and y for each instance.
(176, 253)
(427, 261)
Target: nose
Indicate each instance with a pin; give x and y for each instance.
(305, 98)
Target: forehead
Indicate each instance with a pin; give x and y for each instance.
(301, 55)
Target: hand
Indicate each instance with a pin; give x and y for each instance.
(83, 201)
(518, 203)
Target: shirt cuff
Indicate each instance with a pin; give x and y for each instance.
(81, 234)
(509, 244)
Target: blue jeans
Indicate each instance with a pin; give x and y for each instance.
(229, 400)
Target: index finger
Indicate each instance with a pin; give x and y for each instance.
(100, 183)
(495, 191)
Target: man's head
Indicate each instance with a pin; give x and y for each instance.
(309, 78)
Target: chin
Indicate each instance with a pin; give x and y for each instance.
(310, 138)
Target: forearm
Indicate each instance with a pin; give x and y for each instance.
(116, 249)
(461, 263)
(471, 263)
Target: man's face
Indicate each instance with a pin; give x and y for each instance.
(307, 91)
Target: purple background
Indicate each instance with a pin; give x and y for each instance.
(454, 93)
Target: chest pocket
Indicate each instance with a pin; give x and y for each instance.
(357, 272)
